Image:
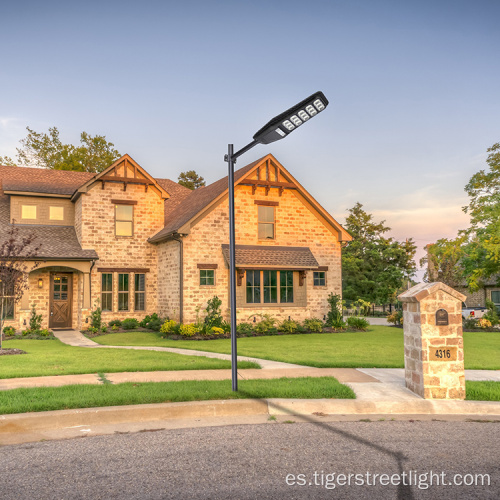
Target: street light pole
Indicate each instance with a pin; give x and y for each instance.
(277, 128)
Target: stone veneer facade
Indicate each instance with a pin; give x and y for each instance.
(295, 225)
(425, 375)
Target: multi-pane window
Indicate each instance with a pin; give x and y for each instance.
(495, 298)
(140, 292)
(107, 292)
(7, 295)
(286, 286)
(207, 277)
(123, 292)
(124, 217)
(56, 213)
(270, 283)
(253, 287)
(269, 287)
(28, 212)
(266, 222)
(319, 278)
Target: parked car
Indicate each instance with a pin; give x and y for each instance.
(473, 312)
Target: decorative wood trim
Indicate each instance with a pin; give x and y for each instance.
(124, 202)
(129, 180)
(271, 184)
(207, 266)
(322, 268)
(240, 274)
(122, 270)
(302, 277)
(267, 203)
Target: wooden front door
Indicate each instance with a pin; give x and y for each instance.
(60, 300)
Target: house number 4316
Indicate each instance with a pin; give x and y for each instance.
(442, 354)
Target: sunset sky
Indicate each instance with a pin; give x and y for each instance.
(413, 90)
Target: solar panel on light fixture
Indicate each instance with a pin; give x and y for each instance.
(280, 126)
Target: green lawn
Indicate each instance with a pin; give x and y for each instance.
(379, 347)
(91, 396)
(52, 357)
(482, 391)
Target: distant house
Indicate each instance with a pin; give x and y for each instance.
(135, 245)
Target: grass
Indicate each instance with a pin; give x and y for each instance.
(91, 396)
(379, 347)
(482, 391)
(52, 357)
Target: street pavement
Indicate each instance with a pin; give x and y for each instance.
(272, 460)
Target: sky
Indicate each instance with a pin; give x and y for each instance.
(413, 88)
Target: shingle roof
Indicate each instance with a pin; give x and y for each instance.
(195, 202)
(42, 180)
(177, 195)
(56, 242)
(267, 256)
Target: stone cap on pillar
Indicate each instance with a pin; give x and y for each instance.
(423, 290)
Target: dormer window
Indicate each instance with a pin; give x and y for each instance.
(56, 213)
(124, 220)
(266, 222)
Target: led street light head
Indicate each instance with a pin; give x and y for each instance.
(280, 126)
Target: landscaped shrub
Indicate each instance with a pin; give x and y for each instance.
(115, 328)
(226, 326)
(334, 317)
(492, 314)
(148, 319)
(188, 330)
(168, 326)
(215, 330)
(104, 328)
(9, 331)
(469, 323)
(92, 329)
(358, 323)
(35, 321)
(214, 315)
(396, 318)
(288, 326)
(484, 323)
(313, 325)
(244, 328)
(115, 322)
(155, 324)
(96, 318)
(130, 323)
(361, 307)
(266, 324)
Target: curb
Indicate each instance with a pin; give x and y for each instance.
(29, 427)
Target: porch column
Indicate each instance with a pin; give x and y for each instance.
(86, 291)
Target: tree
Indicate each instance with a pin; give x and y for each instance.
(14, 271)
(191, 180)
(374, 267)
(6, 160)
(47, 151)
(443, 262)
(481, 258)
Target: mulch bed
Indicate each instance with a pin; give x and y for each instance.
(6, 352)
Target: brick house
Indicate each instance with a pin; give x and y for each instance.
(136, 245)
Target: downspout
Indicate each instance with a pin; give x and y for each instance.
(181, 275)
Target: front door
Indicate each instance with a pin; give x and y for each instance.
(60, 300)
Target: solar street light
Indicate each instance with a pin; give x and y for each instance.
(277, 128)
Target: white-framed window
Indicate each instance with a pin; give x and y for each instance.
(266, 222)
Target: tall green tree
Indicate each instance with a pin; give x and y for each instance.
(374, 266)
(442, 261)
(482, 249)
(94, 154)
(191, 180)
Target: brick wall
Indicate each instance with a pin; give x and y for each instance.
(98, 232)
(296, 225)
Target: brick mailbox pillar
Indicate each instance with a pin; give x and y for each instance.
(433, 341)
